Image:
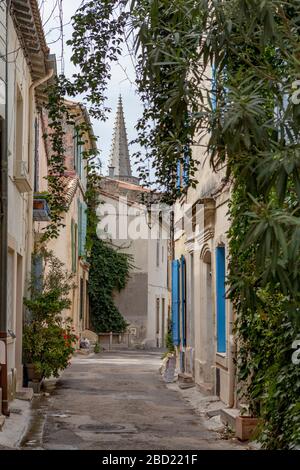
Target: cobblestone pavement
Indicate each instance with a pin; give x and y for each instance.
(117, 401)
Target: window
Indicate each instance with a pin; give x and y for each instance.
(214, 88)
(183, 171)
(175, 302)
(74, 245)
(179, 174)
(183, 301)
(221, 299)
(82, 227)
(78, 149)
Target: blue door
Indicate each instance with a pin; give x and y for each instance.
(175, 302)
(221, 299)
(183, 301)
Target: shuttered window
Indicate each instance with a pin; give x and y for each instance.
(221, 299)
(178, 176)
(183, 301)
(175, 302)
(214, 88)
(74, 245)
(77, 153)
(82, 223)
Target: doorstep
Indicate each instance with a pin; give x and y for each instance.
(206, 389)
(228, 417)
(25, 394)
(185, 381)
(185, 378)
(16, 424)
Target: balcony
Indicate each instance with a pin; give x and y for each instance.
(41, 210)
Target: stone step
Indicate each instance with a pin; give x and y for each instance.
(184, 378)
(206, 388)
(25, 394)
(228, 417)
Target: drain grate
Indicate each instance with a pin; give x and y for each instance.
(107, 428)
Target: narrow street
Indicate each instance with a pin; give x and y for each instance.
(117, 401)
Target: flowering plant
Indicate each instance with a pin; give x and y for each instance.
(49, 340)
(49, 345)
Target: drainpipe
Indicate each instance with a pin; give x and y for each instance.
(4, 238)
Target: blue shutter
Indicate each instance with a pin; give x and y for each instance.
(38, 272)
(175, 302)
(82, 224)
(221, 299)
(183, 300)
(80, 159)
(79, 226)
(214, 88)
(73, 245)
(178, 177)
(186, 169)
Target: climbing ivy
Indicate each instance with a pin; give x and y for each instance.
(57, 112)
(109, 273)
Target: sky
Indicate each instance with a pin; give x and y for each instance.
(119, 83)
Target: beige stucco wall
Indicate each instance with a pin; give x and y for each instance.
(19, 204)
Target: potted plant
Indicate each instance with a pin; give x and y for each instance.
(33, 345)
(41, 210)
(245, 424)
(48, 347)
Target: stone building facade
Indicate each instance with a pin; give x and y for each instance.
(125, 224)
(69, 246)
(29, 69)
(201, 313)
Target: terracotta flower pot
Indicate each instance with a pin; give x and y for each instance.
(245, 427)
(38, 204)
(32, 374)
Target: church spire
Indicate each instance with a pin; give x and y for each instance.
(119, 164)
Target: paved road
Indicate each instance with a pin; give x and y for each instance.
(117, 401)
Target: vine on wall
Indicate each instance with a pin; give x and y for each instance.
(109, 273)
(60, 116)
